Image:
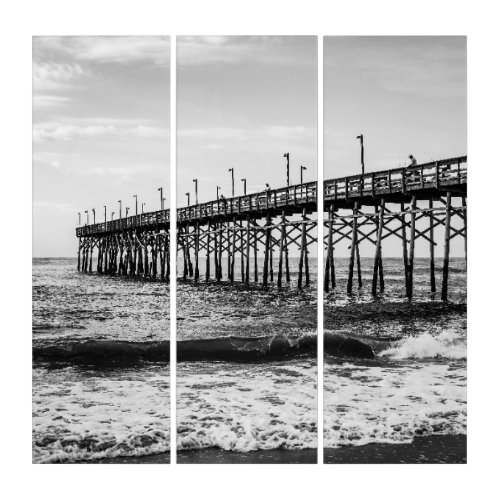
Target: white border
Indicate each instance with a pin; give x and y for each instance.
(173, 250)
(320, 267)
(21, 20)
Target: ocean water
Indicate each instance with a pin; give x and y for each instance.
(417, 383)
(102, 405)
(243, 406)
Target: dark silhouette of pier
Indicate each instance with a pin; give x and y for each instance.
(224, 238)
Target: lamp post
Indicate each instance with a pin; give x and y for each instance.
(360, 137)
(142, 208)
(232, 181)
(135, 196)
(195, 190)
(79, 219)
(93, 213)
(112, 215)
(161, 197)
(287, 156)
(244, 186)
(87, 212)
(126, 212)
(105, 214)
(188, 197)
(302, 168)
(120, 202)
(218, 188)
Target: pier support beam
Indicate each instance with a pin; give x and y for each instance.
(446, 256)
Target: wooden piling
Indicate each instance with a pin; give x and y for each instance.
(412, 246)
(354, 242)
(446, 257)
(255, 260)
(247, 270)
(378, 246)
(303, 249)
(196, 252)
(266, 250)
(405, 247)
(464, 212)
(281, 248)
(207, 261)
(221, 235)
(431, 245)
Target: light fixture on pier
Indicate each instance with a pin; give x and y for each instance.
(161, 197)
(360, 137)
(244, 186)
(195, 191)
(287, 156)
(302, 168)
(93, 213)
(142, 207)
(87, 212)
(188, 197)
(232, 181)
(135, 196)
(120, 202)
(79, 219)
(105, 214)
(218, 189)
(112, 215)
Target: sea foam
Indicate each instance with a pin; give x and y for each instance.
(446, 345)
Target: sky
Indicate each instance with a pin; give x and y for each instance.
(101, 116)
(406, 95)
(242, 102)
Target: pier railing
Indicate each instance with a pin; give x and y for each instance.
(291, 196)
(134, 221)
(432, 175)
(438, 175)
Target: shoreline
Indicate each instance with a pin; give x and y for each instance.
(435, 449)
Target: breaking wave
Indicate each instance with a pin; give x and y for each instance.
(446, 345)
(237, 349)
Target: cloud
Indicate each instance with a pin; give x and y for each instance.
(57, 76)
(270, 50)
(60, 132)
(214, 135)
(50, 101)
(107, 49)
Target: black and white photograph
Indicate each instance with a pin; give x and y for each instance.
(101, 115)
(247, 249)
(395, 240)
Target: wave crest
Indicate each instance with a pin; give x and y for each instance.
(446, 345)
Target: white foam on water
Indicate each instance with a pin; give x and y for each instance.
(247, 407)
(447, 345)
(91, 415)
(394, 403)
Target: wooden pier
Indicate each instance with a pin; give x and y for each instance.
(248, 238)
(132, 246)
(390, 203)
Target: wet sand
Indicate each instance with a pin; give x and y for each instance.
(218, 456)
(423, 450)
(159, 458)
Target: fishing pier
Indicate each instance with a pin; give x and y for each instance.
(248, 238)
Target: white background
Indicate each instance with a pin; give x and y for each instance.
(22, 20)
